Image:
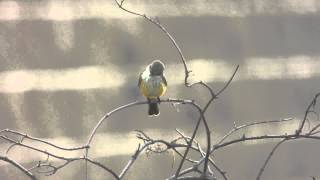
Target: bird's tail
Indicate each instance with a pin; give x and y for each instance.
(153, 109)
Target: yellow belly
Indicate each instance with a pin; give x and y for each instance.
(152, 91)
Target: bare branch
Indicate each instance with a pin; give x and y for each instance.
(103, 167)
(109, 114)
(26, 136)
(132, 160)
(169, 100)
(237, 128)
(311, 105)
(141, 148)
(156, 22)
(159, 25)
(223, 174)
(268, 158)
(33, 148)
(158, 145)
(18, 166)
(186, 171)
(213, 96)
(55, 168)
(264, 137)
(228, 82)
(196, 178)
(190, 143)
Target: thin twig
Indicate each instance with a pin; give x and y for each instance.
(169, 100)
(26, 136)
(132, 160)
(189, 146)
(68, 160)
(109, 114)
(268, 158)
(159, 25)
(223, 174)
(141, 148)
(237, 128)
(103, 167)
(205, 123)
(18, 166)
(311, 105)
(187, 84)
(264, 137)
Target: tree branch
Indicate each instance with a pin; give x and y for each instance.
(268, 158)
(311, 105)
(18, 166)
(26, 136)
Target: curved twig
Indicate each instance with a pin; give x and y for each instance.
(311, 105)
(213, 96)
(68, 160)
(103, 167)
(26, 136)
(156, 22)
(264, 137)
(268, 158)
(169, 100)
(237, 128)
(141, 148)
(159, 25)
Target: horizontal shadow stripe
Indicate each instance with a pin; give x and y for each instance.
(48, 44)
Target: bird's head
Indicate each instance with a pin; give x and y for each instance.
(156, 68)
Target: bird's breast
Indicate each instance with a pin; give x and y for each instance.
(153, 87)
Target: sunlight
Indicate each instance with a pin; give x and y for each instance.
(67, 79)
(300, 6)
(302, 67)
(10, 10)
(296, 67)
(263, 68)
(207, 70)
(71, 10)
(211, 70)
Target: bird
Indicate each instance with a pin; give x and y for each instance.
(153, 84)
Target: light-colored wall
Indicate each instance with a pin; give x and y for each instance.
(63, 64)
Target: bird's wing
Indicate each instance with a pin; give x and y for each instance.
(164, 80)
(140, 79)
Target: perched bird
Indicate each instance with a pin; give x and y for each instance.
(153, 85)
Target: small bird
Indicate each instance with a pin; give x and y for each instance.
(153, 84)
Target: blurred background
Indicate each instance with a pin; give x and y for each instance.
(64, 64)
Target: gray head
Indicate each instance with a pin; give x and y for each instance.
(156, 68)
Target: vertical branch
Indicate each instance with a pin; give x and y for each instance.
(132, 160)
(188, 148)
(213, 96)
(311, 105)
